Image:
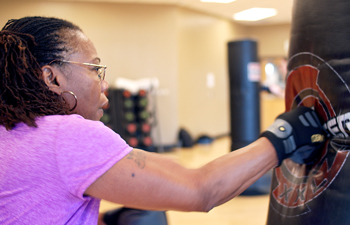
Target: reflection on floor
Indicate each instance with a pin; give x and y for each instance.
(246, 210)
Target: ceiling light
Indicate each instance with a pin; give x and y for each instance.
(255, 14)
(218, 1)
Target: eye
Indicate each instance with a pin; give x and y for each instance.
(99, 71)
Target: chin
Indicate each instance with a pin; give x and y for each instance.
(98, 114)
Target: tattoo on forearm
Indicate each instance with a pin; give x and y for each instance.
(139, 158)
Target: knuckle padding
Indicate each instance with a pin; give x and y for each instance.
(275, 128)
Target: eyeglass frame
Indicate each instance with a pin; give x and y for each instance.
(85, 64)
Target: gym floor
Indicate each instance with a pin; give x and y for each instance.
(247, 210)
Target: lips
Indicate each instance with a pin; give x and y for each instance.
(105, 105)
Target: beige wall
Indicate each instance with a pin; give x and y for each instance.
(203, 50)
(178, 46)
(272, 39)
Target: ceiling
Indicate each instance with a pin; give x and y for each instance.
(283, 7)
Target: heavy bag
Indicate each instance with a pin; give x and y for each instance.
(319, 77)
(244, 76)
(128, 216)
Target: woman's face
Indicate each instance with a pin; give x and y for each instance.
(83, 80)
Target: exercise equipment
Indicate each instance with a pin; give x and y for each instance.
(128, 114)
(318, 77)
(244, 76)
(128, 216)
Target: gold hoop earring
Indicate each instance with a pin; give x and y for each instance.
(75, 97)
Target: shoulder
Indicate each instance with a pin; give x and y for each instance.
(64, 119)
(73, 133)
(74, 127)
(69, 123)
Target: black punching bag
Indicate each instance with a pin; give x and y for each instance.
(244, 73)
(319, 77)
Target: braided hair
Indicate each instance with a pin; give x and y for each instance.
(26, 45)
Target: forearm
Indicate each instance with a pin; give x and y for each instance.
(155, 182)
(229, 175)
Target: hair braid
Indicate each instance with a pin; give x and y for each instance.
(26, 45)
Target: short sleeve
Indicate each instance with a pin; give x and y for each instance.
(85, 150)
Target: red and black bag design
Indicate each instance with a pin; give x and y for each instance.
(319, 77)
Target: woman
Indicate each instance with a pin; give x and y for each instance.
(57, 160)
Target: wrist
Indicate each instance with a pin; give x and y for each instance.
(264, 141)
(276, 144)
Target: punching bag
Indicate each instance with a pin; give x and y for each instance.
(318, 77)
(244, 76)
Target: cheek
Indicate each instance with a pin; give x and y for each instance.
(94, 93)
(88, 94)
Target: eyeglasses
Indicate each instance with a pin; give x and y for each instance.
(100, 69)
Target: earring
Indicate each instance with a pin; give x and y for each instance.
(75, 97)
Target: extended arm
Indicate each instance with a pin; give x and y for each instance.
(153, 181)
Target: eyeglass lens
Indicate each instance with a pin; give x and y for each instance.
(101, 73)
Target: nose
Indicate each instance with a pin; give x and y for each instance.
(104, 86)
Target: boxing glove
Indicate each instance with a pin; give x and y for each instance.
(297, 134)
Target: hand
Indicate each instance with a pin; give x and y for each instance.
(297, 134)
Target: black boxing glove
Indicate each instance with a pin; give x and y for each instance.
(297, 132)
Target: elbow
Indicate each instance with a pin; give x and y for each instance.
(207, 208)
(212, 192)
(201, 205)
(205, 196)
(206, 202)
(209, 199)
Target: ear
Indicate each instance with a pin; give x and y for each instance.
(50, 76)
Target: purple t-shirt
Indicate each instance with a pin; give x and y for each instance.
(45, 171)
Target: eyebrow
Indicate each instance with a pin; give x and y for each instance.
(98, 59)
